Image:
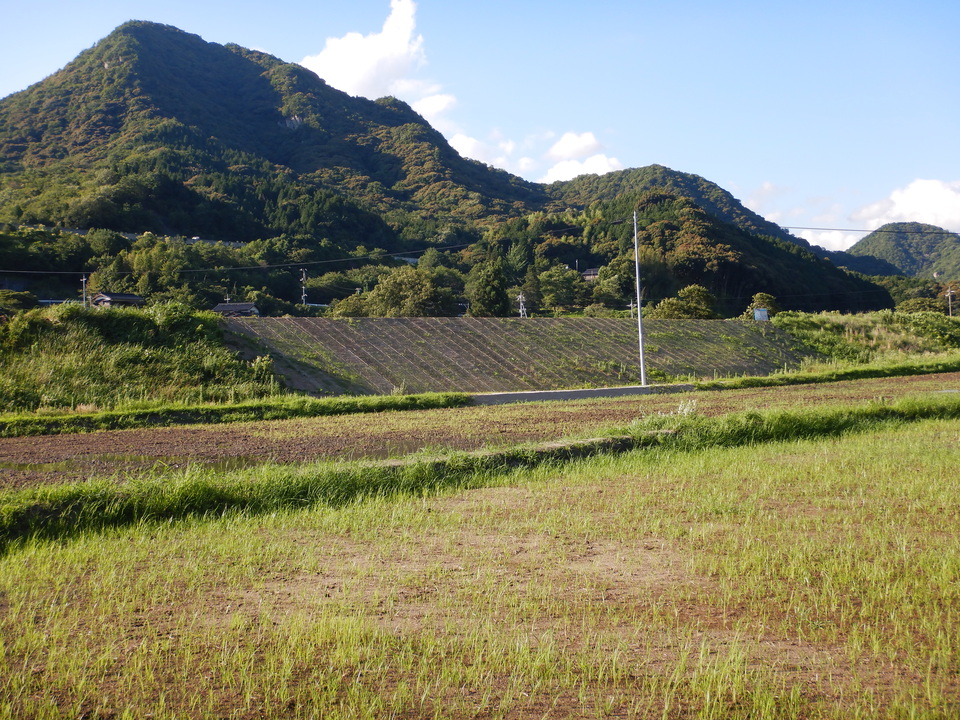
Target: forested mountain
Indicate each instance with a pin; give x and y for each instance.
(153, 130)
(715, 200)
(911, 248)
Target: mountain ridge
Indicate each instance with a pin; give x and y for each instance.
(282, 113)
(153, 129)
(907, 249)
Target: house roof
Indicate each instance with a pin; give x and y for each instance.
(236, 307)
(119, 298)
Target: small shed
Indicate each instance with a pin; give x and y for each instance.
(248, 309)
(103, 299)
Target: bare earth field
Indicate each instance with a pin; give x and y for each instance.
(32, 461)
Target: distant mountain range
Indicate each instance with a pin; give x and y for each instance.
(155, 129)
(909, 248)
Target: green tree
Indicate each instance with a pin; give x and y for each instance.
(694, 302)
(11, 301)
(923, 304)
(350, 306)
(486, 289)
(408, 292)
(517, 260)
(609, 288)
(559, 287)
(761, 300)
(532, 294)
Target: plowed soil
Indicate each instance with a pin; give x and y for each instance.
(33, 461)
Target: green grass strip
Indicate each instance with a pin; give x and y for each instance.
(273, 409)
(693, 432)
(60, 511)
(846, 372)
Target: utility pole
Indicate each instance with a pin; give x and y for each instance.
(523, 305)
(950, 292)
(83, 281)
(636, 259)
(303, 286)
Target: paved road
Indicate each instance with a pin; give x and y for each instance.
(539, 395)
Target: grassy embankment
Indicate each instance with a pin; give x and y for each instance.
(765, 565)
(70, 369)
(67, 369)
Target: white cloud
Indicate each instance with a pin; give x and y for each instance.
(470, 147)
(498, 151)
(434, 109)
(572, 146)
(373, 65)
(830, 239)
(569, 169)
(388, 63)
(526, 165)
(934, 202)
(764, 200)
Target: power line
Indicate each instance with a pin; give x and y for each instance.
(247, 267)
(852, 230)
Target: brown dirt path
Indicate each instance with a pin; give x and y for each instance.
(33, 461)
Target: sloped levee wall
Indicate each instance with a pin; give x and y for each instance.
(413, 355)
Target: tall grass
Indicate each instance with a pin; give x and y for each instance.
(873, 336)
(56, 511)
(68, 356)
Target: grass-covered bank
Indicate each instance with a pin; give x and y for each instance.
(836, 372)
(71, 358)
(870, 337)
(64, 510)
(70, 369)
(810, 579)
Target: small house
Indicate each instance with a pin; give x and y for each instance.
(247, 309)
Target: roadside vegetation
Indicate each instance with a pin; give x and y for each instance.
(885, 335)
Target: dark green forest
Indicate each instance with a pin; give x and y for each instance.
(162, 165)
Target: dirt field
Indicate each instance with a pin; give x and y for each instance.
(32, 461)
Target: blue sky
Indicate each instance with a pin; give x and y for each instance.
(819, 114)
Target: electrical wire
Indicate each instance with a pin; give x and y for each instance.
(248, 267)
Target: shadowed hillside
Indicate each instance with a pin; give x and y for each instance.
(383, 355)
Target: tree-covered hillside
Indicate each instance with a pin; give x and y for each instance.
(911, 248)
(154, 129)
(715, 200)
(154, 137)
